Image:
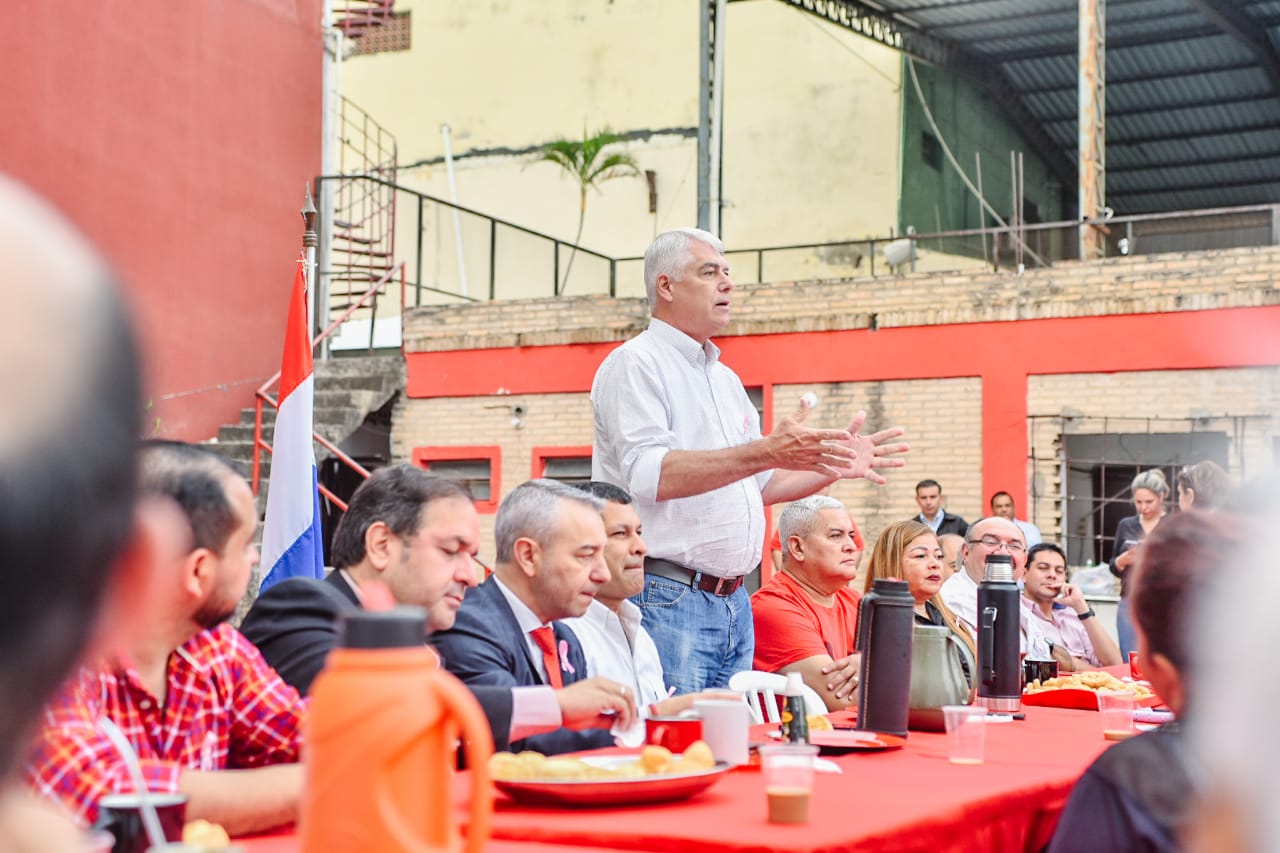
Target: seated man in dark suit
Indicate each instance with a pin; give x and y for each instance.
(415, 534)
(550, 564)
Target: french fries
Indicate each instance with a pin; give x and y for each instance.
(1091, 680)
(653, 761)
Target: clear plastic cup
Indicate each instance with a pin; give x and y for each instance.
(788, 780)
(1116, 709)
(966, 733)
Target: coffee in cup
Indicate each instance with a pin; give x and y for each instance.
(121, 815)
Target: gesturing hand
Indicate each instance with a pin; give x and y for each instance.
(871, 452)
(795, 447)
(596, 703)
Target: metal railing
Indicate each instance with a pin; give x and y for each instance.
(262, 397)
(500, 259)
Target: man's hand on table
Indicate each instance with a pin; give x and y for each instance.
(596, 703)
(843, 676)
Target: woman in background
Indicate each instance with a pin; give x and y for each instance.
(1150, 488)
(1203, 485)
(909, 551)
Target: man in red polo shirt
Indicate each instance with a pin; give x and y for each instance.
(806, 615)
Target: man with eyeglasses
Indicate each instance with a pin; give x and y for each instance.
(960, 591)
(1059, 610)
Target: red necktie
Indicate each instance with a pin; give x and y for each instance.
(545, 637)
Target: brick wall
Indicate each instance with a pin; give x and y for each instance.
(1176, 282)
(943, 418)
(1242, 403)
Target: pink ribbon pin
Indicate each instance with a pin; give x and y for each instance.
(565, 664)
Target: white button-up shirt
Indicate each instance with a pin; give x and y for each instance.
(663, 391)
(618, 647)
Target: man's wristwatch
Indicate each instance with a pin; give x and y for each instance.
(1088, 614)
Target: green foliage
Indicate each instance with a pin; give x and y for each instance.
(586, 162)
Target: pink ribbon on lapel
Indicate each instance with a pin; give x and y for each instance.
(565, 664)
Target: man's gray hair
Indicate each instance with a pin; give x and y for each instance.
(668, 255)
(800, 516)
(1152, 480)
(530, 512)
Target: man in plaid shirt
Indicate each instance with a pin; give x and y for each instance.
(206, 715)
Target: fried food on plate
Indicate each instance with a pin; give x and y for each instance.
(653, 761)
(1088, 680)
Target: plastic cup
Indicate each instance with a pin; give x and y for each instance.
(788, 780)
(1135, 672)
(966, 733)
(1116, 709)
(724, 728)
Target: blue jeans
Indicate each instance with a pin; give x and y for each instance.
(702, 638)
(1125, 634)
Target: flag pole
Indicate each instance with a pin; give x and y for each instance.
(310, 240)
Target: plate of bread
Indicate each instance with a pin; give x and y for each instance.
(1080, 690)
(655, 775)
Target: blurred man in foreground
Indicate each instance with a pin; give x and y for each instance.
(417, 535)
(74, 546)
(204, 712)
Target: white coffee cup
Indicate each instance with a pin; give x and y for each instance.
(724, 728)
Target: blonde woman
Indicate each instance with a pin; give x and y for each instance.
(1150, 490)
(909, 551)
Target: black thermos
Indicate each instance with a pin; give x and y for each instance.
(999, 637)
(885, 621)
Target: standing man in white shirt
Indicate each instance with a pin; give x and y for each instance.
(675, 428)
(1002, 505)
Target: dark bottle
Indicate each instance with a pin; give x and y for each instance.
(798, 724)
(999, 637)
(885, 621)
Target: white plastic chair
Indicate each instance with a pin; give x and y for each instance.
(756, 685)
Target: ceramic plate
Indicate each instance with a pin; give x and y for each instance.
(850, 740)
(610, 792)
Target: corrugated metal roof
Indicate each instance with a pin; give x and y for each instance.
(1193, 86)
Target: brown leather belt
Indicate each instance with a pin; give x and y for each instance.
(697, 580)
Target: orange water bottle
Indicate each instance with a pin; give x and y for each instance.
(381, 741)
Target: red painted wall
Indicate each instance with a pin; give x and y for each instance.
(179, 136)
(1002, 354)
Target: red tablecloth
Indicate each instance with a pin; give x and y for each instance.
(907, 799)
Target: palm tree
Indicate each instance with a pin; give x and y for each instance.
(585, 163)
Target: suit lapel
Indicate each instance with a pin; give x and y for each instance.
(516, 637)
(570, 653)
